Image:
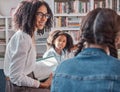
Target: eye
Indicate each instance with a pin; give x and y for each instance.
(41, 15)
(47, 15)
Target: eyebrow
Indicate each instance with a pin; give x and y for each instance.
(41, 12)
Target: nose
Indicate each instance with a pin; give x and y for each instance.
(61, 43)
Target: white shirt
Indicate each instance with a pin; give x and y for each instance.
(20, 60)
(52, 52)
(60, 58)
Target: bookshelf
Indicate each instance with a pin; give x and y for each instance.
(5, 34)
(68, 14)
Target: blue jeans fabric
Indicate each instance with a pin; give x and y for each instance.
(92, 70)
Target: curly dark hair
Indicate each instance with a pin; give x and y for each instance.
(54, 34)
(100, 26)
(25, 14)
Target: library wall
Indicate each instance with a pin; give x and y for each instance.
(7, 6)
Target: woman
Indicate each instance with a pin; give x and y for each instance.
(20, 57)
(95, 67)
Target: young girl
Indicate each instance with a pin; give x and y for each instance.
(59, 45)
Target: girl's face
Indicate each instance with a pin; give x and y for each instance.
(41, 17)
(60, 42)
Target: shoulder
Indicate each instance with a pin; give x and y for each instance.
(50, 52)
(113, 60)
(20, 39)
(21, 36)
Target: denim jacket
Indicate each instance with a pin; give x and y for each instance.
(92, 70)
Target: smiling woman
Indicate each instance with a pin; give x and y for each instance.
(41, 17)
(20, 56)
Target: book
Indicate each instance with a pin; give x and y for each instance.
(44, 67)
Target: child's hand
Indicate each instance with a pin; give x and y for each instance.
(47, 83)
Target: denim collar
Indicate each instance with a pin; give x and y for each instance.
(92, 51)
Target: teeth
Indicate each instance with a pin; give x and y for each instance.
(41, 23)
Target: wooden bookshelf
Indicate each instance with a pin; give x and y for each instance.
(68, 14)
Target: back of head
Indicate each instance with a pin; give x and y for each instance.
(100, 27)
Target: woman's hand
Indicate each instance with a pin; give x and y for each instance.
(47, 83)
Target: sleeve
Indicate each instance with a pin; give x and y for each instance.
(20, 46)
(45, 67)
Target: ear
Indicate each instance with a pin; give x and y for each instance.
(107, 50)
(117, 42)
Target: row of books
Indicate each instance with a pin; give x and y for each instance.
(2, 41)
(75, 35)
(3, 24)
(76, 6)
(70, 22)
(113, 4)
(2, 27)
(2, 54)
(72, 7)
(100, 4)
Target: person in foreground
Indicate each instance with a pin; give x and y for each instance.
(20, 56)
(95, 67)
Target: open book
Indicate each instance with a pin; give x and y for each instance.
(44, 67)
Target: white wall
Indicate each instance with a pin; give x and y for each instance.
(6, 6)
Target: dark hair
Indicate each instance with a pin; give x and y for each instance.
(25, 16)
(54, 34)
(100, 26)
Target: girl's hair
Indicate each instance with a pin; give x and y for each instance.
(100, 26)
(24, 17)
(54, 34)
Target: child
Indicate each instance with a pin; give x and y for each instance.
(59, 44)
